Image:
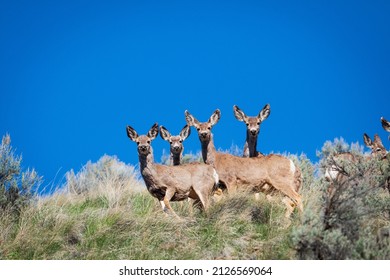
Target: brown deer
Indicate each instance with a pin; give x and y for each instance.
(378, 151)
(172, 183)
(252, 132)
(376, 146)
(268, 174)
(337, 171)
(252, 128)
(175, 142)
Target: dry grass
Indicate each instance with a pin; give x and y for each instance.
(113, 220)
(105, 212)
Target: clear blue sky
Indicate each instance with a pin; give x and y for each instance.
(73, 74)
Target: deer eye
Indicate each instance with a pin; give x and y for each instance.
(378, 149)
(181, 141)
(258, 123)
(247, 124)
(198, 129)
(148, 141)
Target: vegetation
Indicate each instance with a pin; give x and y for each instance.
(104, 212)
(351, 218)
(15, 186)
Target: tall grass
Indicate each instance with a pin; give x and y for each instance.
(99, 214)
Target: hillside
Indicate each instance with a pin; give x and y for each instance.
(104, 212)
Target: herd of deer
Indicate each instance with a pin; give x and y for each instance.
(255, 172)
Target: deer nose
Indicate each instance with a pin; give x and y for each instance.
(253, 132)
(143, 148)
(203, 134)
(176, 148)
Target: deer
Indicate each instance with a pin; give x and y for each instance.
(175, 142)
(252, 132)
(337, 173)
(376, 146)
(252, 128)
(172, 183)
(267, 174)
(378, 151)
(177, 148)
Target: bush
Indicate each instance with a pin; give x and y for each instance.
(108, 178)
(349, 221)
(15, 186)
(187, 158)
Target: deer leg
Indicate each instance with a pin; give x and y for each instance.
(162, 205)
(290, 206)
(292, 195)
(168, 195)
(203, 196)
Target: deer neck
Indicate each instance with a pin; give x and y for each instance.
(250, 147)
(208, 151)
(147, 166)
(149, 174)
(175, 159)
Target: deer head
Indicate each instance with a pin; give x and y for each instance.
(376, 146)
(175, 142)
(252, 123)
(204, 129)
(143, 141)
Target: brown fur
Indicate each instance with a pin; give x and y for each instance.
(172, 183)
(266, 174)
(337, 173)
(175, 143)
(252, 129)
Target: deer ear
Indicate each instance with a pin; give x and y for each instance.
(153, 132)
(185, 132)
(239, 114)
(164, 133)
(385, 124)
(215, 117)
(191, 121)
(264, 113)
(367, 140)
(131, 133)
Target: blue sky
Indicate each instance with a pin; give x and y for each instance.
(73, 74)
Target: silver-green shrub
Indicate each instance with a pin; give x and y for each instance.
(350, 218)
(16, 186)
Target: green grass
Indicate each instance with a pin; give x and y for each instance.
(70, 226)
(105, 213)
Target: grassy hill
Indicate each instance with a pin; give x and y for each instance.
(115, 220)
(104, 212)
